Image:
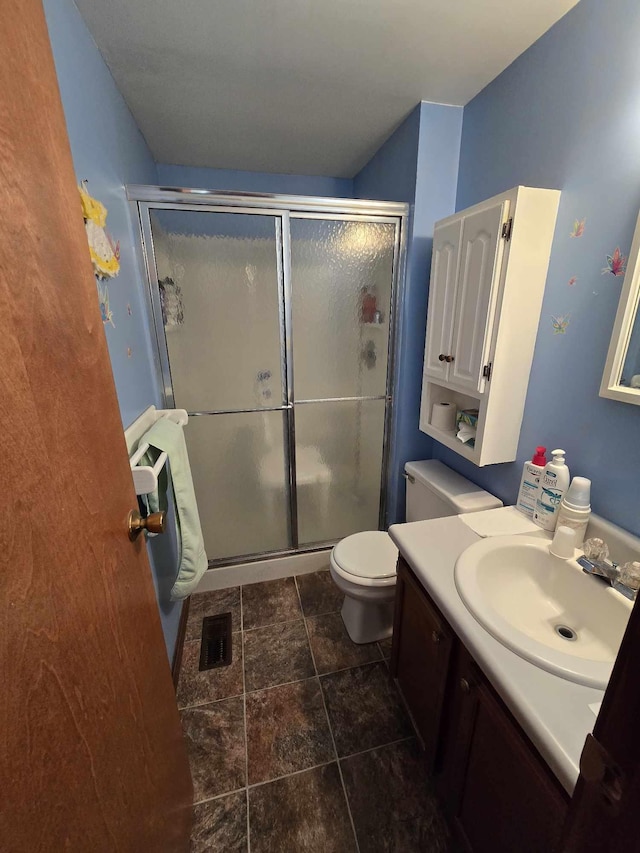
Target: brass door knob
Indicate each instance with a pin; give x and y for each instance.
(154, 523)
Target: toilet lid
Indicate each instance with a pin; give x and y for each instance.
(367, 555)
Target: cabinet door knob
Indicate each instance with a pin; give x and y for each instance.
(442, 357)
(449, 358)
(465, 686)
(436, 636)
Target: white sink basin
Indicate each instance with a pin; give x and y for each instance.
(545, 609)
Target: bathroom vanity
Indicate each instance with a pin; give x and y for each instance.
(502, 737)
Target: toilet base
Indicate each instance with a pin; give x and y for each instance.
(367, 621)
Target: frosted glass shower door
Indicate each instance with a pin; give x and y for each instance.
(219, 308)
(341, 283)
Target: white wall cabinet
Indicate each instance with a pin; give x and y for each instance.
(488, 273)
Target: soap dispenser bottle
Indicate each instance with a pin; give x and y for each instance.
(553, 484)
(532, 471)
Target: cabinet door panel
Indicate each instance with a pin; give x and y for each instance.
(509, 802)
(442, 291)
(480, 255)
(460, 720)
(422, 643)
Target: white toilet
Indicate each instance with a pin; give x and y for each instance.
(363, 565)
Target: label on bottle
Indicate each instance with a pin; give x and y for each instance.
(547, 503)
(529, 490)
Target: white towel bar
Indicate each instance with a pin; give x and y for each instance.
(145, 478)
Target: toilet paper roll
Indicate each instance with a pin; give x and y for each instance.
(443, 416)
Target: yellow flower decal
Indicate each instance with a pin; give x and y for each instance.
(105, 256)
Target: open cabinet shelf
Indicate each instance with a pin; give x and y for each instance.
(434, 392)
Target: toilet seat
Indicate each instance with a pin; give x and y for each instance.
(366, 559)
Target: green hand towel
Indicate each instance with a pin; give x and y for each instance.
(167, 436)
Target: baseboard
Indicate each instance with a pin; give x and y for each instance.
(222, 577)
(182, 630)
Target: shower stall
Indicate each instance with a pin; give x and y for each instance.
(274, 321)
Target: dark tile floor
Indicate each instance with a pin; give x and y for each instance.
(301, 744)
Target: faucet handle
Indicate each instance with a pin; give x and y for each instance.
(630, 575)
(596, 550)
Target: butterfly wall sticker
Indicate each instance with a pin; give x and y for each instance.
(578, 228)
(105, 311)
(560, 324)
(616, 263)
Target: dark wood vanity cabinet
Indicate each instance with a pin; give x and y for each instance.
(421, 655)
(496, 790)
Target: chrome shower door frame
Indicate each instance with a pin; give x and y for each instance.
(282, 208)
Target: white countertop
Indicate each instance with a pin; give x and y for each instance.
(553, 712)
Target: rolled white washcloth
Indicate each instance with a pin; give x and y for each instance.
(466, 433)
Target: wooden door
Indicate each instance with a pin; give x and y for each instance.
(91, 754)
(480, 256)
(422, 643)
(442, 292)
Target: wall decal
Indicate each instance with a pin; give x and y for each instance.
(560, 324)
(105, 254)
(616, 263)
(105, 310)
(578, 228)
(573, 280)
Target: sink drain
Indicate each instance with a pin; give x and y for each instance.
(565, 632)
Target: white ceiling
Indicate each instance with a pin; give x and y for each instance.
(301, 86)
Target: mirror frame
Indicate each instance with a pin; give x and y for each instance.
(622, 328)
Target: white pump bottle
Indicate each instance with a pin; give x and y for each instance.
(553, 484)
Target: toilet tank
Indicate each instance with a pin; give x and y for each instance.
(434, 491)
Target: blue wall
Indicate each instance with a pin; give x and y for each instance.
(566, 114)
(418, 164)
(253, 182)
(109, 151)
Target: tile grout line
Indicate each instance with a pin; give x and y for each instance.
(219, 796)
(333, 740)
(246, 741)
(318, 675)
(380, 746)
(353, 666)
(282, 684)
(208, 702)
(294, 773)
(273, 624)
(322, 764)
(288, 621)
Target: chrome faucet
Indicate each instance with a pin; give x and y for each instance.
(625, 579)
